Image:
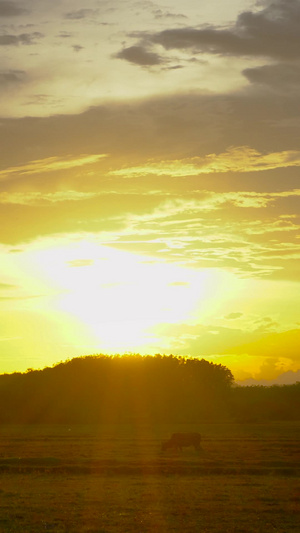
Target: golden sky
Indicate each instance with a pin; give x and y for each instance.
(149, 182)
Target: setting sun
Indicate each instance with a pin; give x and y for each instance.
(116, 295)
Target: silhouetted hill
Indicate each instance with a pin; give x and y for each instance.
(128, 388)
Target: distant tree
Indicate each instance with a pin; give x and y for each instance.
(260, 403)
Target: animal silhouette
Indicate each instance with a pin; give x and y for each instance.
(182, 440)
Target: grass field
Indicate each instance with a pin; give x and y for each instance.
(115, 478)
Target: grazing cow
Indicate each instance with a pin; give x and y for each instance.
(181, 440)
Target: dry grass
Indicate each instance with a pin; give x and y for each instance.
(115, 479)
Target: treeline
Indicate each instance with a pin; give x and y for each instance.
(140, 389)
(118, 389)
(258, 403)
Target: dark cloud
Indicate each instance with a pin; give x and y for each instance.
(168, 127)
(11, 77)
(64, 35)
(9, 40)
(23, 38)
(80, 14)
(77, 47)
(272, 32)
(10, 9)
(279, 77)
(175, 67)
(206, 40)
(159, 14)
(140, 56)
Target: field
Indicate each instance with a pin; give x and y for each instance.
(100, 479)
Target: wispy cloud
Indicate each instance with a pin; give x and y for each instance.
(160, 14)
(51, 164)
(80, 14)
(236, 159)
(40, 198)
(23, 38)
(250, 244)
(212, 339)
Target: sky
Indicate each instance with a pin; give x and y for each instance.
(149, 182)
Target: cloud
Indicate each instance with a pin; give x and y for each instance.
(41, 198)
(11, 77)
(185, 230)
(230, 217)
(181, 230)
(271, 226)
(203, 340)
(23, 38)
(286, 378)
(51, 164)
(236, 159)
(233, 316)
(159, 14)
(7, 286)
(64, 35)
(77, 47)
(172, 127)
(205, 201)
(284, 344)
(279, 77)
(80, 14)
(140, 56)
(208, 340)
(11, 9)
(272, 32)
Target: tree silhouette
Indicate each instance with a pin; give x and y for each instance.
(127, 388)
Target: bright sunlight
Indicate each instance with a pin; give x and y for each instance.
(118, 295)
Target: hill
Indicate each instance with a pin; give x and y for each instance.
(98, 388)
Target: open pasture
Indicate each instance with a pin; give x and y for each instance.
(107, 478)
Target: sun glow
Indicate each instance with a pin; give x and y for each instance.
(118, 296)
